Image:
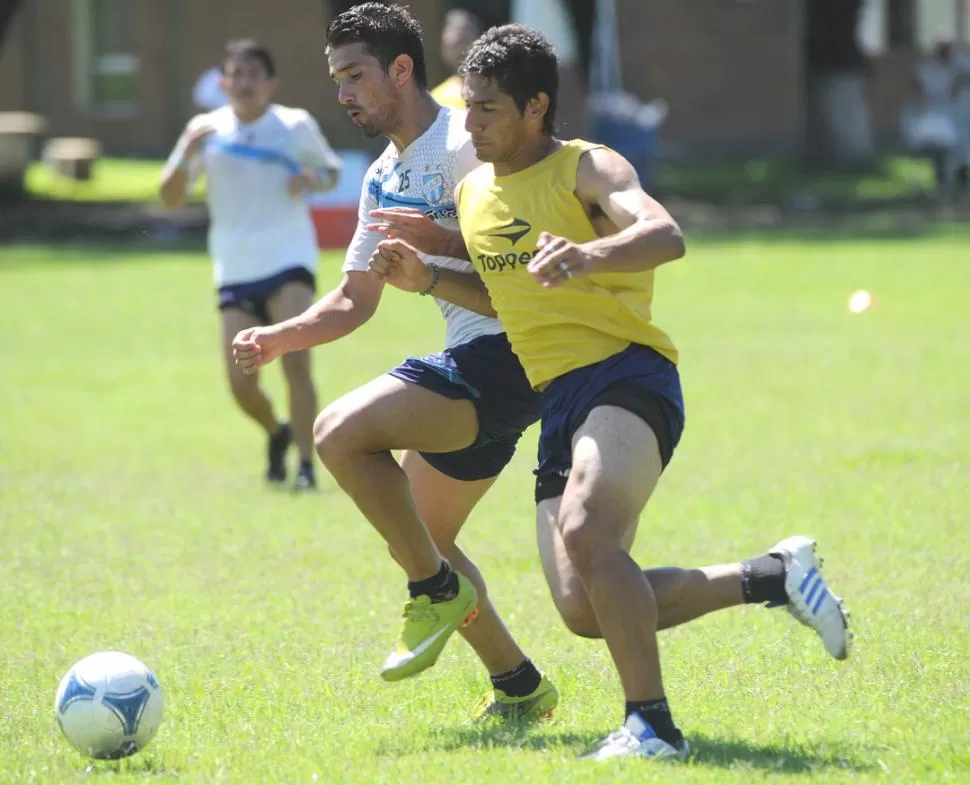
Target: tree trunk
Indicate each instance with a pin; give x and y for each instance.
(837, 121)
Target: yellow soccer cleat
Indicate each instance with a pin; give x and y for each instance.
(537, 705)
(426, 629)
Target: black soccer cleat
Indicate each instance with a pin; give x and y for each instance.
(279, 443)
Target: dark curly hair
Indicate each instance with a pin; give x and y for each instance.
(387, 31)
(248, 49)
(521, 62)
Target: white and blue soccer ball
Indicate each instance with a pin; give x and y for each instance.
(109, 705)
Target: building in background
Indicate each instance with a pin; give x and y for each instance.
(123, 71)
(732, 71)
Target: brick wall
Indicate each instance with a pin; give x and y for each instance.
(13, 78)
(297, 41)
(295, 38)
(891, 87)
(177, 41)
(729, 70)
(140, 131)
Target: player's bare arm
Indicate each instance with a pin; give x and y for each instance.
(322, 166)
(398, 264)
(637, 232)
(418, 231)
(333, 316)
(313, 179)
(175, 179)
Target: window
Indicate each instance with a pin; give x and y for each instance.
(936, 21)
(105, 63)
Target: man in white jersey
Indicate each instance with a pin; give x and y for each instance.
(457, 414)
(259, 159)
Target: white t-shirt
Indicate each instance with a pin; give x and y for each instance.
(424, 176)
(256, 228)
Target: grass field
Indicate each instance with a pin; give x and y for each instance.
(133, 517)
(112, 180)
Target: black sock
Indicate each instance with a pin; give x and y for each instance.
(763, 579)
(440, 587)
(306, 466)
(518, 682)
(657, 715)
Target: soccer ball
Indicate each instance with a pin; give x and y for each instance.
(109, 705)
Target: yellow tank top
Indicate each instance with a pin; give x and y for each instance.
(448, 93)
(578, 323)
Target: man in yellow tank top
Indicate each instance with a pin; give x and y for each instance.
(565, 243)
(460, 29)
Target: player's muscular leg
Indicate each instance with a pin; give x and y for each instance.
(291, 300)
(354, 437)
(682, 594)
(247, 391)
(444, 504)
(615, 467)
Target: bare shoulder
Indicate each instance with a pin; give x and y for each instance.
(293, 116)
(602, 170)
(217, 119)
(607, 182)
(200, 120)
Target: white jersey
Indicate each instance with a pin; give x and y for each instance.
(256, 228)
(424, 176)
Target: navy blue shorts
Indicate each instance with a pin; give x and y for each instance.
(251, 297)
(486, 372)
(637, 379)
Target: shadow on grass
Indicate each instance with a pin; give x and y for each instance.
(727, 753)
(98, 254)
(102, 251)
(822, 232)
(141, 766)
(115, 230)
(487, 737)
(705, 750)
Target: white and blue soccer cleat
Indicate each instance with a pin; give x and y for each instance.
(636, 738)
(810, 600)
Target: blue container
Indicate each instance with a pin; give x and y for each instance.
(630, 127)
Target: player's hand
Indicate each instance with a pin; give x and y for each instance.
(397, 263)
(412, 226)
(254, 348)
(558, 260)
(299, 184)
(196, 141)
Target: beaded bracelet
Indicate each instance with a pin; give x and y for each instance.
(435, 275)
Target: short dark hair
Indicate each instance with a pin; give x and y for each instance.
(248, 49)
(387, 31)
(521, 62)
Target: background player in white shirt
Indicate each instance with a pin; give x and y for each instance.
(458, 414)
(259, 159)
